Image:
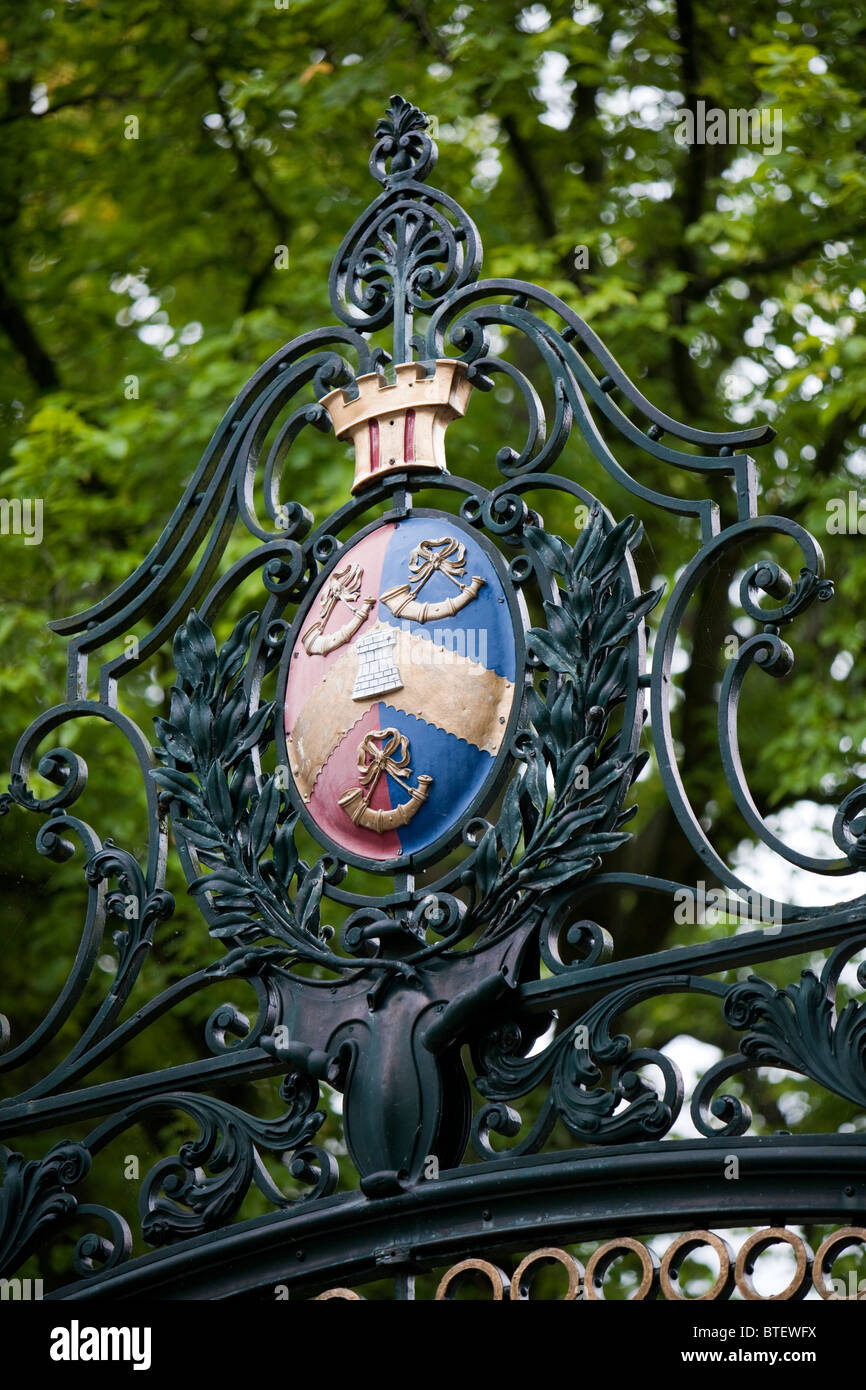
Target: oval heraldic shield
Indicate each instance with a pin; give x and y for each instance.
(400, 684)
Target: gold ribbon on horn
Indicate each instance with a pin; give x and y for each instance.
(448, 557)
(344, 586)
(392, 757)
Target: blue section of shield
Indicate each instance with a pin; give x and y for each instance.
(458, 770)
(482, 631)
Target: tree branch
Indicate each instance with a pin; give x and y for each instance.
(281, 221)
(13, 319)
(86, 99)
(521, 148)
(829, 454)
(414, 11)
(23, 337)
(525, 161)
(701, 284)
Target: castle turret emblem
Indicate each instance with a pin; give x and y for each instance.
(400, 425)
(377, 674)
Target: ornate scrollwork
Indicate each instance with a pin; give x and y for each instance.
(95, 1253)
(569, 1069)
(205, 1184)
(413, 245)
(202, 1187)
(138, 910)
(401, 136)
(849, 827)
(35, 1196)
(382, 1008)
(767, 652)
(796, 1028)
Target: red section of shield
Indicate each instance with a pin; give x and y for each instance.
(307, 670)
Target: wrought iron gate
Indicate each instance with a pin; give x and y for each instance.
(435, 689)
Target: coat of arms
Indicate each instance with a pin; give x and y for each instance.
(401, 678)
